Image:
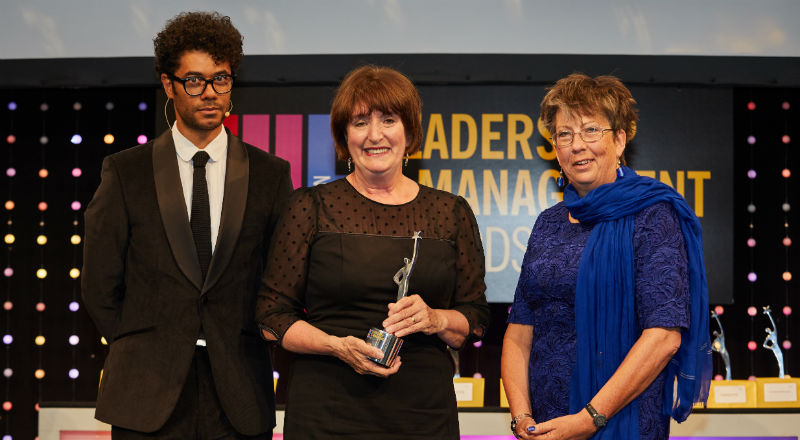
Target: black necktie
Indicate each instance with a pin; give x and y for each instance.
(201, 213)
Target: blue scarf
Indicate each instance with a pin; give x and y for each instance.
(604, 300)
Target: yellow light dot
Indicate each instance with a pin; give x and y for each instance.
(74, 273)
(109, 138)
(39, 340)
(9, 205)
(75, 239)
(39, 373)
(787, 276)
(9, 238)
(41, 240)
(41, 274)
(103, 340)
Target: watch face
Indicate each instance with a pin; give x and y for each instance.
(600, 421)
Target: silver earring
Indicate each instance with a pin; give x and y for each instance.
(165, 113)
(349, 165)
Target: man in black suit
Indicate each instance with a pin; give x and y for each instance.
(176, 242)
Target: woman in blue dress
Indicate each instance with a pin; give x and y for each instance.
(610, 315)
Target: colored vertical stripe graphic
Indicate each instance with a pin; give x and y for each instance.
(289, 143)
(321, 152)
(232, 123)
(255, 130)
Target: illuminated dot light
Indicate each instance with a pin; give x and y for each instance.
(76, 172)
(109, 106)
(787, 344)
(11, 139)
(142, 139)
(76, 139)
(12, 105)
(40, 307)
(8, 437)
(43, 173)
(719, 309)
(8, 305)
(74, 273)
(785, 105)
(751, 311)
(276, 375)
(41, 240)
(8, 272)
(44, 107)
(7, 405)
(751, 378)
(787, 276)
(75, 239)
(786, 173)
(39, 373)
(8, 339)
(39, 340)
(787, 241)
(103, 340)
(74, 339)
(76, 205)
(752, 277)
(42, 206)
(9, 238)
(477, 344)
(74, 306)
(787, 310)
(11, 172)
(142, 106)
(751, 208)
(477, 375)
(751, 174)
(786, 207)
(44, 140)
(41, 273)
(751, 345)
(751, 140)
(77, 106)
(73, 373)
(108, 139)
(718, 377)
(8, 372)
(751, 242)
(751, 105)
(786, 139)
(9, 205)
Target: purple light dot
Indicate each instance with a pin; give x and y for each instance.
(74, 339)
(8, 372)
(751, 378)
(8, 339)
(751, 140)
(752, 277)
(74, 306)
(787, 344)
(477, 375)
(76, 139)
(276, 375)
(142, 107)
(752, 311)
(141, 139)
(7, 437)
(76, 172)
(12, 106)
(477, 344)
(751, 242)
(751, 174)
(76, 205)
(11, 172)
(73, 373)
(8, 272)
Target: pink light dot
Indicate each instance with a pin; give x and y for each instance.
(477, 344)
(11, 172)
(141, 139)
(751, 174)
(786, 139)
(8, 272)
(40, 307)
(785, 105)
(719, 309)
(752, 277)
(477, 375)
(76, 172)
(787, 344)
(11, 139)
(8, 305)
(751, 140)
(751, 345)
(751, 105)
(752, 311)
(787, 310)
(76, 205)
(718, 377)
(751, 378)
(786, 173)
(42, 206)
(73, 373)
(787, 241)
(751, 242)
(7, 405)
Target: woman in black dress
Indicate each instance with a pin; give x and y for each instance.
(329, 279)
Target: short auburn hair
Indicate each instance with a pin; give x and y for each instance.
(583, 95)
(376, 88)
(207, 32)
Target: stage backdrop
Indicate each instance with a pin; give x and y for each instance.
(482, 142)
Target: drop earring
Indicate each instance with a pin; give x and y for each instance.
(620, 171)
(406, 162)
(349, 165)
(230, 109)
(560, 179)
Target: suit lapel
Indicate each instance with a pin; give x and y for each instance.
(237, 178)
(172, 206)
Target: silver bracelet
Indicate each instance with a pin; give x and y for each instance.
(517, 419)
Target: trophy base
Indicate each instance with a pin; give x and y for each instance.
(388, 343)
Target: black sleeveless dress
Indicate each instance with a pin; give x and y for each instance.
(335, 253)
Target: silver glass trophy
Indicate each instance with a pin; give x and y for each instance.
(388, 343)
(719, 346)
(771, 342)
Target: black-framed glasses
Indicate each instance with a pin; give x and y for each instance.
(564, 138)
(196, 85)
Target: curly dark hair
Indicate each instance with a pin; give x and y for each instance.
(204, 31)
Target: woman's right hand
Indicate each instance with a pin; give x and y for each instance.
(354, 352)
(523, 426)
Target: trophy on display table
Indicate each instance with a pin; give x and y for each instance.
(719, 346)
(388, 343)
(771, 342)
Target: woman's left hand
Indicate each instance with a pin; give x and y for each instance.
(572, 426)
(412, 315)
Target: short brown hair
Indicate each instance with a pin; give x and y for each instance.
(583, 95)
(208, 32)
(378, 88)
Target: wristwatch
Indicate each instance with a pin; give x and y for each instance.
(599, 420)
(517, 419)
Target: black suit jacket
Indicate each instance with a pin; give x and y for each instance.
(142, 285)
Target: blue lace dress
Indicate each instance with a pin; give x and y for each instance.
(545, 299)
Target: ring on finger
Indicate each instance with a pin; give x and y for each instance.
(414, 319)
